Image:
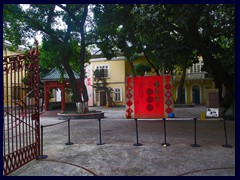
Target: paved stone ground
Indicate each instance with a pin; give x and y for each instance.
(119, 157)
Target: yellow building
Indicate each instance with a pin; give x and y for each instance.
(117, 69)
(196, 85)
(7, 52)
(13, 79)
(114, 71)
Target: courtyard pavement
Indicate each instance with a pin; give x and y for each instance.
(119, 157)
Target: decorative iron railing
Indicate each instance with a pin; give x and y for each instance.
(21, 131)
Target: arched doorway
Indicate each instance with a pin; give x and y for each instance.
(196, 94)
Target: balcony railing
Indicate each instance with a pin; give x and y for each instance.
(192, 76)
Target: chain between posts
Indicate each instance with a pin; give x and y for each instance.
(42, 126)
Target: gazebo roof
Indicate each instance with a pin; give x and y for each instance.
(55, 75)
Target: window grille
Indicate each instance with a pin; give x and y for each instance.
(103, 70)
(117, 94)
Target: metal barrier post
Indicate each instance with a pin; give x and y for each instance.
(226, 145)
(69, 142)
(165, 135)
(195, 134)
(137, 144)
(100, 136)
(41, 151)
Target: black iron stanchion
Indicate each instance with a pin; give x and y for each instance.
(165, 144)
(137, 144)
(41, 150)
(226, 145)
(69, 142)
(100, 131)
(195, 134)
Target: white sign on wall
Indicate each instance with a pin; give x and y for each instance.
(212, 112)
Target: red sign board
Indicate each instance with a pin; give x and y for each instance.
(149, 97)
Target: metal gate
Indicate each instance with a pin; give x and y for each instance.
(21, 140)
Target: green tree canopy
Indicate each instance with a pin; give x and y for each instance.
(64, 35)
(170, 35)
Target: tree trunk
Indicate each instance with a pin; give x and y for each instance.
(109, 102)
(180, 97)
(42, 105)
(132, 69)
(109, 99)
(75, 90)
(148, 60)
(68, 68)
(82, 60)
(82, 107)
